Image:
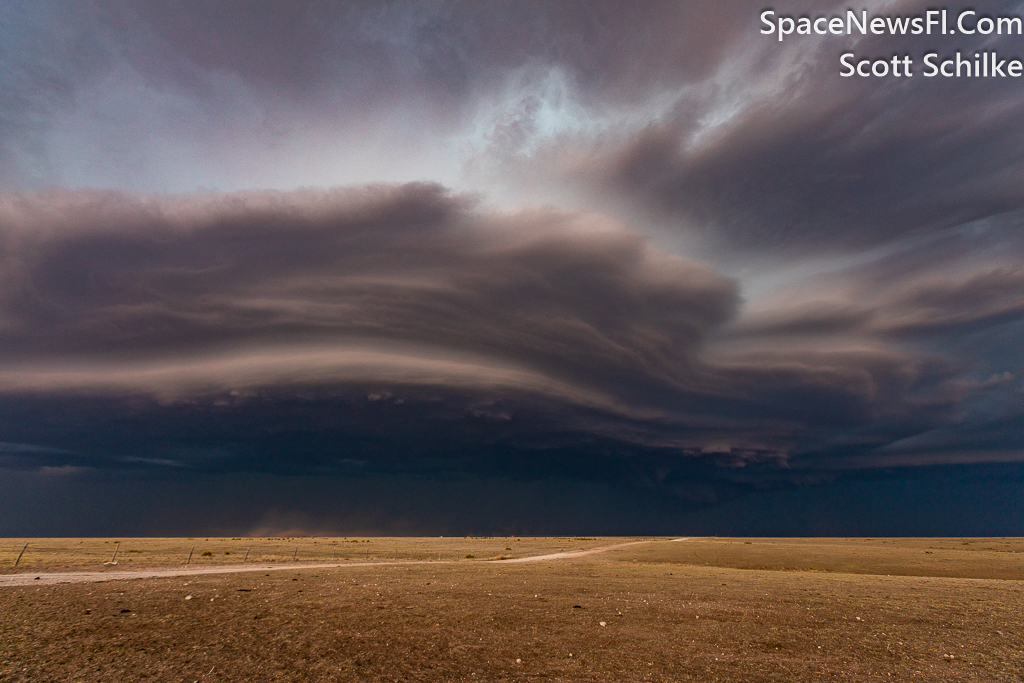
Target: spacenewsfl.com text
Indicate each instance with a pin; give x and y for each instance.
(979, 64)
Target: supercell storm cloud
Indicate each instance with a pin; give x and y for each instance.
(629, 253)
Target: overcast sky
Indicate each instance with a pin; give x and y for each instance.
(532, 267)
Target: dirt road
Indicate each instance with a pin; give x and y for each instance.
(575, 553)
(114, 575)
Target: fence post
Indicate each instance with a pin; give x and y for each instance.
(19, 555)
(295, 554)
(189, 560)
(117, 546)
(246, 554)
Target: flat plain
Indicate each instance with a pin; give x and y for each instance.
(420, 609)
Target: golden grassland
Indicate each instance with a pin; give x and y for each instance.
(78, 554)
(695, 610)
(980, 558)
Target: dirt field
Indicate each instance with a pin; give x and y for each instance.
(80, 554)
(697, 610)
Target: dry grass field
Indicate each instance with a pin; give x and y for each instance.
(81, 554)
(695, 610)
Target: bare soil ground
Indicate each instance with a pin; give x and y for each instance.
(810, 610)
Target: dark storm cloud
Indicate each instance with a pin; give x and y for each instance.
(807, 160)
(93, 276)
(405, 330)
(395, 329)
(943, 315)
(871, 227)
(926, 307)
(949, 284)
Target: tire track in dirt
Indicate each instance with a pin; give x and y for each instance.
(575, 553)
(49, 579)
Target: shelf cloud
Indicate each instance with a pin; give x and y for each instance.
(638, 252)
